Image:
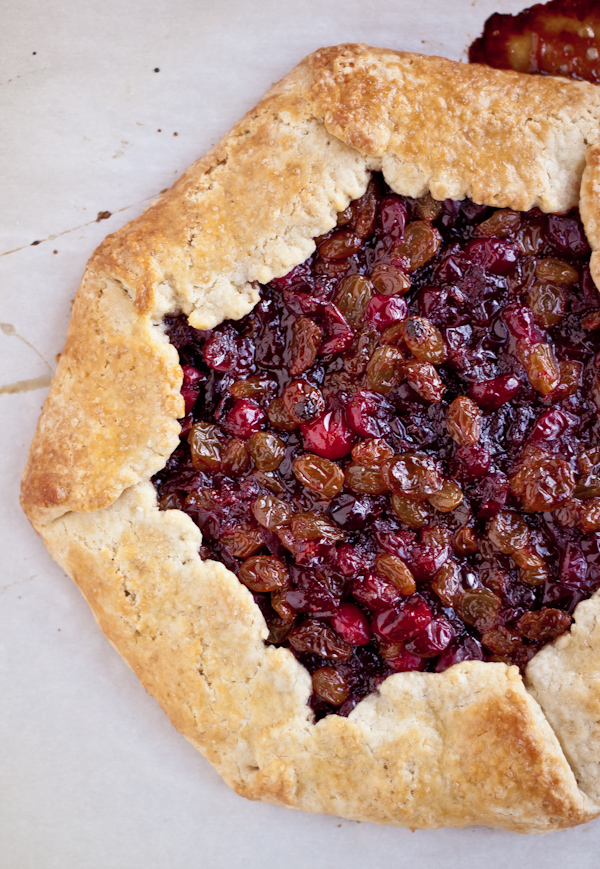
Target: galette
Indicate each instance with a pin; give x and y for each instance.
(323, 450)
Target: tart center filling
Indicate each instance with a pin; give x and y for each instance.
(398, 450)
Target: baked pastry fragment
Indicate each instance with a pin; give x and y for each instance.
(476, 743)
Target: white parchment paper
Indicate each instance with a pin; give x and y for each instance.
(104, 103)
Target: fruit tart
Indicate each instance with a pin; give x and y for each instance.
(323, 454)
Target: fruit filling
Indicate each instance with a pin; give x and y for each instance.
(557, 38)
(398, 450)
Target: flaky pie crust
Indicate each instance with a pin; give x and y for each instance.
(476, 744)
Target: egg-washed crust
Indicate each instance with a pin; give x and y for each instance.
(473, 745)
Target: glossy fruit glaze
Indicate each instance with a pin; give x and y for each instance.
(398, 450)
(557, 38)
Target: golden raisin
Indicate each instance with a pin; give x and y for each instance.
(447, 498)
(446, 583)
(205, 446)
(421, 242)
(414, 514)
(352, 297)
(267, 450)
(263, 573)
(374, 451)
(464, 421)
(330, 685)
(318, 474)
(424, 340)
(394, 569)
(271, 512)
(368, 480)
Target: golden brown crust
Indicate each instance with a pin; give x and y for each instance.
(467, 746)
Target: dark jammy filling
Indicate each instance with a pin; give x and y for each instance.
(398, 450)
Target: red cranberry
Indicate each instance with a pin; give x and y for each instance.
(425, 560)
(244, 419)
(301, 301)
(521, 324)
(549, 426)
(190, 397)
(384, 311)
(348, 560)
(573, 566)
(432, 640)
(406, 662)
(567, 235)
(493, 254)
(351, 624)
(402, 622)
(312, 595)
(329, 436)
(338, 332)
(352, 512)
(474, 462)
(374, 592)
(465, 649)
(296, 275)
(220, 351)
(225, 351)
(392, 216)
(492, 394)
(192, 376)
(491, 494)
(398, 543)
(368, 413)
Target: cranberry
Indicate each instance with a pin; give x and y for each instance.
(567, 236)
(491, 494)
(492, 394)
(225, 351)
(493, 254)
(392, 216)
(465, 649)
(190, 397)
(312, 595)
(368, 414)
(549, 426)
(432, 640)
(383, 311)
(474, 462)
(328, 436)
(521, 324)
(244, 419)
(406, 662)
(348, 560)
(374, 592)
(351, 624)
(338, 332)
(300, 301)
(192, 376)
(402, 622)
(351, 512)
(425, 561)
(573, 566)
(398, 543)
